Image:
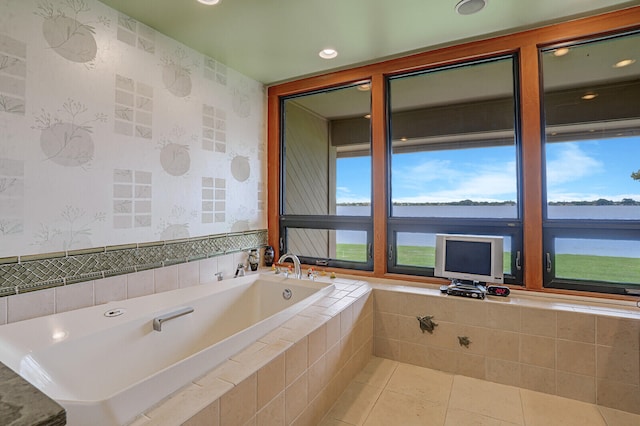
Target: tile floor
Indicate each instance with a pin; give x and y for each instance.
(389, 393)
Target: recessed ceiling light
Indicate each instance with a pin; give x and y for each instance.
(561, 52)
(624, 63)
(328, 53)
(589, 96)
(209, 2)
(469, 7)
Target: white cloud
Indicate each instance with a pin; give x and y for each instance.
(487, 182)
(570, 164)
(345, 195)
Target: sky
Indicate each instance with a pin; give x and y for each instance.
(576, 171)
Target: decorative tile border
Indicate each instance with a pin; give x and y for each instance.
(29, 273)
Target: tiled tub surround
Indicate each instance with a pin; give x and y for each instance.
(292, 375)
(573, 348)
(191, 262)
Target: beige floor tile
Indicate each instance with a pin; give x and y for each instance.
(501, 402)
(541, 409)
(615, 417)
(458, 417)
(421, 383)
(398, 409)
(377, 372)
(355, 403)
(327, 421)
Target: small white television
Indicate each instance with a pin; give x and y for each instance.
(470, 258)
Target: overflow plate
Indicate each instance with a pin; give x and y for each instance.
(116, 312)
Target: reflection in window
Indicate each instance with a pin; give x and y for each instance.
(326, 187)
(592, 119)
(327, 153)
(453, 142)
(592, 160)
(328, 244)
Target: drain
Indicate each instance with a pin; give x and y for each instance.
(115, 312)
(287, 294)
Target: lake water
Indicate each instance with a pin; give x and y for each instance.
(614, 248)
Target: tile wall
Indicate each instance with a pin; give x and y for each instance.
(148, 270)
(591, 357)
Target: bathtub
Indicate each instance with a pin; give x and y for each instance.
(106, 364)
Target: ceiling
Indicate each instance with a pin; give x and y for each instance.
(278, 40)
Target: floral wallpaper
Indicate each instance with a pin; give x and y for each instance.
(112, 133)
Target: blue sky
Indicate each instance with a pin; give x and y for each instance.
(585, 170)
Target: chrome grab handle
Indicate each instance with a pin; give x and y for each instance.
(157, 321)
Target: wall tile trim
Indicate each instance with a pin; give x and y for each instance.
(28, 273)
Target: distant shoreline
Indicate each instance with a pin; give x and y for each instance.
(599, 202)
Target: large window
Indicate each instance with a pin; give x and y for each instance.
(592, 157)
(454, 156)
(326, 179)
(531, 136)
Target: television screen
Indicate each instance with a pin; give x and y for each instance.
(469, 257)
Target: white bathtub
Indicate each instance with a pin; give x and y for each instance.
(106, 370)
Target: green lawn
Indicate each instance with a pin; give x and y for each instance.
(583, 267)
(598, 268)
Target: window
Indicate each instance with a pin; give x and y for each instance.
(592, 160)
(326, 179)
(454, 156)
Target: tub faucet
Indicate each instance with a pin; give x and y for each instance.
(239, 270)
(296, 263)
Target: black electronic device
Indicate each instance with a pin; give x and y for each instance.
(472, 290)
(498, 290)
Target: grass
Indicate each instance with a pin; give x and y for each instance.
(573, 266)
(598, 268)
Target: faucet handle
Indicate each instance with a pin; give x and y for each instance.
(218, 276)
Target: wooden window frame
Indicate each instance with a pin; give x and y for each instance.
(526, 44)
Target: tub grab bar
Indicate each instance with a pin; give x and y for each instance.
(157, 321)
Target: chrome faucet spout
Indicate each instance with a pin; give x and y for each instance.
(296, 263)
